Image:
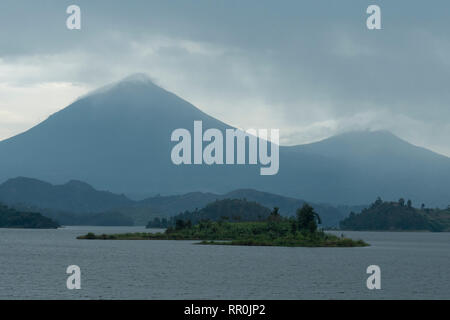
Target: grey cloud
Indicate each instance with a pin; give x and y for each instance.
(309, 66)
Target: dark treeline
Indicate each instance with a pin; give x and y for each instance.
(11, 218)
(305, 220)
(109, 218)
(231, 210)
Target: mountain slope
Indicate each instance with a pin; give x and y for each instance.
(118, 139)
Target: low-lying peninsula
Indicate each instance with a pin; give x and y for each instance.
(11, 218)
(274, 231)
(398, 216)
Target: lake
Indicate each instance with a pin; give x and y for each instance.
(33, 266)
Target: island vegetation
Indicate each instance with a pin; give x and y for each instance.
(11, 218)
(274, 230)
(398, 216)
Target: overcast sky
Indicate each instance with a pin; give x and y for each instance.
(310, 68)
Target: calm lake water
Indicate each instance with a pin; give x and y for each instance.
(33, 265)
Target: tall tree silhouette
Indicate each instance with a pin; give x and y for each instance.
(307, 218)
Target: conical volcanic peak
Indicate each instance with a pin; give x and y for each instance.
(137, 80)
(138, 98)
(135, 84)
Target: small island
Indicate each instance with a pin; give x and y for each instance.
(275, 230)
(11, 218)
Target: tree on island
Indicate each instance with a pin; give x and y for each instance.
(378, 202)
(307, 219)
(275, 215)
(409, 204)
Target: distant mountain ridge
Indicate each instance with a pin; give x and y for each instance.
(74, 196)
(78, 202)
(117, 138)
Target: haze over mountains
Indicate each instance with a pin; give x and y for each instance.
(118, 139)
